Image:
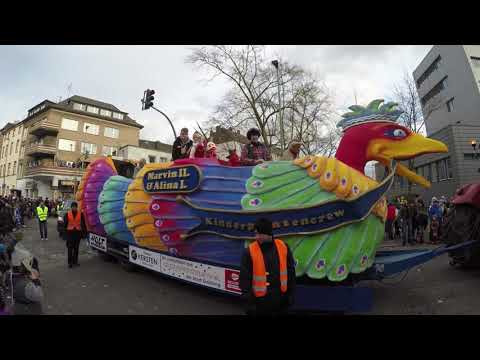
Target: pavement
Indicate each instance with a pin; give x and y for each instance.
(98, 287)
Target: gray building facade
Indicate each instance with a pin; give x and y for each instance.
(448, 85)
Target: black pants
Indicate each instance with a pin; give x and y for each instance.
(73, 243)
(389, 229)
(43, 229)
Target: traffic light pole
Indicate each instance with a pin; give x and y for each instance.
(170, 122)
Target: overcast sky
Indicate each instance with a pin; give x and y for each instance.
(119, 75)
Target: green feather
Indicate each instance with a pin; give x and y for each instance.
(373, 106)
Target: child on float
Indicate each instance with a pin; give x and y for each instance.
(198, 148)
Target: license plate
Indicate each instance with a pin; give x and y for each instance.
(97, 242)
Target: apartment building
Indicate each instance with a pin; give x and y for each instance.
(448, 85)
(57, 141)
(11, 151)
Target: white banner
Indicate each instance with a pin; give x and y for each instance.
(144, 258)
(207, 275)
(97, 242)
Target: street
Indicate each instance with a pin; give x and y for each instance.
(98, 287)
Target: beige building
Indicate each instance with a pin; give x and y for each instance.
(11, 152)
(58, 141)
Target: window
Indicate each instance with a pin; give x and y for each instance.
(442, 169)
(104, 112)
(92, 109)
(469, 156)
(450, 105)
(16, 147)
(475, 61)
(449, 168)
(162, 159)
(20, 166)
(437, 63)
(118, 116)
(437, 89)
(109, 150)
(66, 145)
(434, 172)
(90, 149)
(11, 147)
(428, 172)
(14, 167)
(8, 169)
(90, 129)
(78, 106)
(111, 132)
(68, 124)
(151, 159)
(6, 150)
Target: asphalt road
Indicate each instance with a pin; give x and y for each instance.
(104, 288)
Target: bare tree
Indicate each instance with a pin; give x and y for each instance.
(253, 98)
(413, 117)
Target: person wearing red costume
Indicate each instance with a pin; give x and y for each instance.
(211, 150)
(198, 148)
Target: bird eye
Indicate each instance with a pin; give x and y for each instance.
(396, 133)
(399, 133)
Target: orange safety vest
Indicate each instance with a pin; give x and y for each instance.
(74, 223)
(259, 279)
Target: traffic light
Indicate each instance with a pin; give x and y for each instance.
(148, 99)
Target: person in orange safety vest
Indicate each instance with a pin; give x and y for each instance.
(267, 273)
(75, 230)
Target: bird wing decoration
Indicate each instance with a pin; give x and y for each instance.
(310, 181)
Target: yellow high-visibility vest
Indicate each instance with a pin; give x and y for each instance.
(42, 213)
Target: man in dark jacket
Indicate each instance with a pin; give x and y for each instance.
(75, 230)
(275, 301)
(181, 146)
(254, 152)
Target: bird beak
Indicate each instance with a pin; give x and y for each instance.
(414, 145)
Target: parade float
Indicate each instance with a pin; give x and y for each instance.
(191, 219)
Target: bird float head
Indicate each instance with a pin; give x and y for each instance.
(372, 133)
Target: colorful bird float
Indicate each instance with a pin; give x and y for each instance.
(197, 214)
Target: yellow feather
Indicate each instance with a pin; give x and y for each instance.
(345, 181)
(329, 179)
(140, 219)
(307, 161)
(146, 230)
(137, 196)
(152, 242)
(318, 167)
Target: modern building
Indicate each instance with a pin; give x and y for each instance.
(151, 151)
(58, 140)
(448, 85)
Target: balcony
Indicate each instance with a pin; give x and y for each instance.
(48, 167)
(44, 127)
(40, 149)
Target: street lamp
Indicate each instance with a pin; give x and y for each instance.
(276, 65)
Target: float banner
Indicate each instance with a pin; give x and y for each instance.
(176, 179)
(307, 220)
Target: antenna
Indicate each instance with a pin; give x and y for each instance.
(69, 89)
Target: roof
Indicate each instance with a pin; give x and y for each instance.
(222, 135)
(67, 106)
(8, 126)
(88, 101)
(154, 145)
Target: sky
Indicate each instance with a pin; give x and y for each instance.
(119, 75)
